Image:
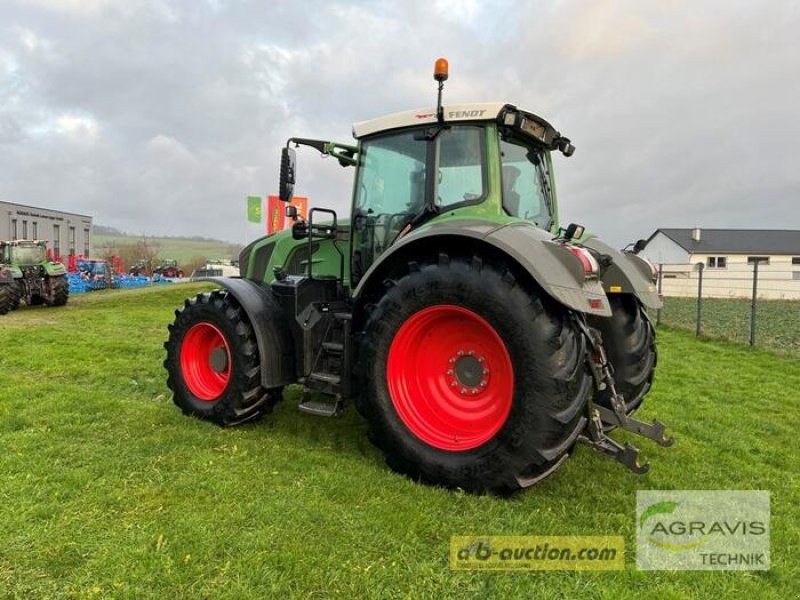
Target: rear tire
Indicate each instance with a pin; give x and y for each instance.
(7, 297)
(213, 366)
(492, 425)
(17, 294)
(630, 343)
(58, 291)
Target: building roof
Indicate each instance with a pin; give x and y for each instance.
(735, 241)
(16, 205)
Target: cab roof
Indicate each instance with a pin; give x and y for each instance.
(482, 111)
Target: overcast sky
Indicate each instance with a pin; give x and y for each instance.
(160, 117)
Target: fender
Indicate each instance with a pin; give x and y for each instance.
(557, 271)
(53, 269)
(275, 345)
(627, 274)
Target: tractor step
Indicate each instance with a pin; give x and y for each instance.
(324, 382)
(321, 409)
(333, 347)
(328, 378)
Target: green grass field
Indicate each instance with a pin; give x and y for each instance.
(777, 321)
(109, 492)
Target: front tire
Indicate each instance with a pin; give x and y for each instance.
(213, 365)
(471, 381)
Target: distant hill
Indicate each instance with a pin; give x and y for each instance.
(110, 240)
(105, 230)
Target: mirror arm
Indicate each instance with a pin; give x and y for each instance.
(319, 145)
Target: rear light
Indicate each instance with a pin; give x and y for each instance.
(595, 304)
(589, 263)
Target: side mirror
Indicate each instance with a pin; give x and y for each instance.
(286, 187)
(291, 212)
(300, 230)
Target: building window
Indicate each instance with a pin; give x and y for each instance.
(717, 262)
(796, 275)
(35, 230)
(24, 230)
(86, 242)
(764, 260)
(13, 229)
(57, 240)
(796, 260)
(72, 241)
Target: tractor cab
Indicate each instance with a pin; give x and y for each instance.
(24, 253)
(490, 161)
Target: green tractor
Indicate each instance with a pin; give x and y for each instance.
(26, 273)
(140, 267)
(479, 339)
(168, 268)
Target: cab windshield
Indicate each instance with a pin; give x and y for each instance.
(391, 189)
(28, 255)
(526, 183)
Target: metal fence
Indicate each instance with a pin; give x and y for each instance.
(756, 303)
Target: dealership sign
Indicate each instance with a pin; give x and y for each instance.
(702, 530)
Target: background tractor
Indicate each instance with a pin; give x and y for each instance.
(479, 339)
(168, 268)
(27, 274)
(140, 268)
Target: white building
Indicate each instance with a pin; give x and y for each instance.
(727, 257)
(67, 234)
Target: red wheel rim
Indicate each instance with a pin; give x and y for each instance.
(450, 377)
(205, 361)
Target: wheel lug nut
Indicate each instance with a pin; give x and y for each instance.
(463, 390)
(453, 384)
(486, 371)
(483, 384)
(460, 353)
(452, 360)
(481, 359)
(449, 371)
(471, 352)
(474, 391)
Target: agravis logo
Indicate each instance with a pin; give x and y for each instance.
(678, 535)
(702, 530)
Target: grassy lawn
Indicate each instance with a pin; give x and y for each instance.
(777, 321)
(108, 491)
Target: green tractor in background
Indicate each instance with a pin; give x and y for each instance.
(479, 339)
(168, 268)
(27, 274)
